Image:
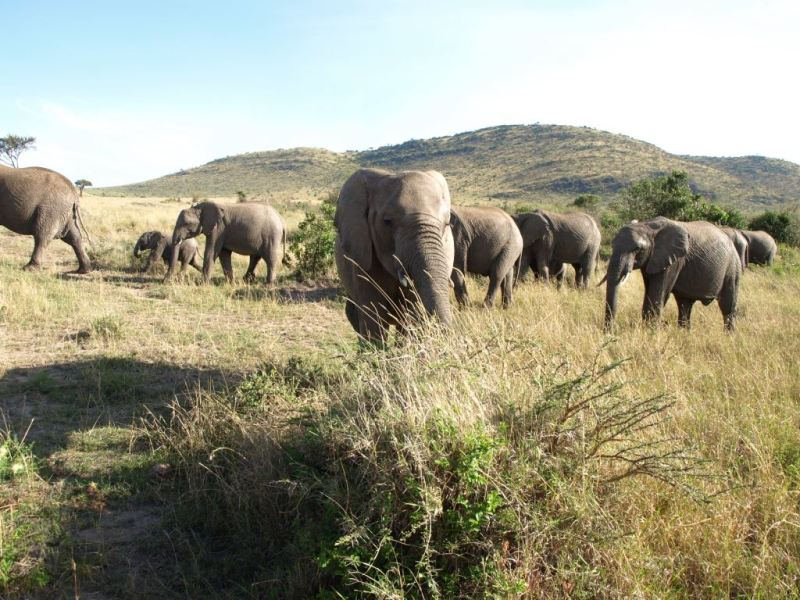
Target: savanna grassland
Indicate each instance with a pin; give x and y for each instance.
(235, 441)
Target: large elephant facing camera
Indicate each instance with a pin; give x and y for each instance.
(42, 203)
(392, 230)
(552, 239)
(487, 242)
(692, 261)
(250, 228)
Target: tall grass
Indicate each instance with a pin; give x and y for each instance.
(474, 464)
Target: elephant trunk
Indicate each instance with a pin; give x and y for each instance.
(430, 271)
(137, 248)
(619, 267)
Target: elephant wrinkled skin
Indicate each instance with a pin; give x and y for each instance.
(739, 242)
(392, 230)
(42, 203)
(692, 261)
(250, 228)
(487, 242)
(552, 239)
(160, 246)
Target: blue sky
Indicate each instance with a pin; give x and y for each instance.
(118, 92)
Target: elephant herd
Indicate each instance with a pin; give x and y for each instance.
(400, 246)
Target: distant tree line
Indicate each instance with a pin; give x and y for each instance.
(672, 196)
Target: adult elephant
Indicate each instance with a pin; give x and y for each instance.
(392, 230)
(161, 248)
(250, 228)
(739, 242)
(42, 203)
(761, 247)
(692, 261)
(551, 239)
(487, 242)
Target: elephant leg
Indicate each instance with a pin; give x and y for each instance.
(184, 266)
(227, 267)
(195, 262)
(73, 238)
(542, 267)
(494, 285)
(460, 287)
(273, 259)
(40, 244)
(508, 288)
(525, 260)
(684, 311)
(653, 298)
(250, 276)
(727, 303)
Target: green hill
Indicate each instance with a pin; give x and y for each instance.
(510, 162)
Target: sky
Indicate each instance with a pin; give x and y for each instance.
(119, 92)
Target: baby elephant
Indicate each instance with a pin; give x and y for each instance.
(250, 228)
(161, 247)
(487, 242)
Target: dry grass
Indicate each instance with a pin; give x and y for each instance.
(85, 357)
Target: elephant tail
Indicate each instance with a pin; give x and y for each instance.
(76, 215)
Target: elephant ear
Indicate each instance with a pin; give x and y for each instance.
(670, 243)
(211, 216)
(352, 216)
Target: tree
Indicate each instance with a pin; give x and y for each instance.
(784, 226)
(82, 183)
(671, 196)
(12, 146)
(587, 201)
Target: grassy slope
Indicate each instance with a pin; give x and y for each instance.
(518, 163)
(83, 357)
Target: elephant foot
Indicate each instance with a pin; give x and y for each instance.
(82, 271)
(32, 266)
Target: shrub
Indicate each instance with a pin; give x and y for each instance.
(421, 471)
(587, 202)
(784, 226)
(671, 196)
(313, 244)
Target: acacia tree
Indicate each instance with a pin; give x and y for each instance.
(82, 183)
(12, 146)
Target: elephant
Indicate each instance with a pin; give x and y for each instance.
(42, 203)
(250, 228)
(161, 248)
(551, 239)
(739, 242)
(761, 247)
(486, 242)
(392, 231)
(692, 261)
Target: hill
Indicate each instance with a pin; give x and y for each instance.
(509, 162)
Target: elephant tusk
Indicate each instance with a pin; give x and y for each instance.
(603, 280)
(403, 278)
(624, 277)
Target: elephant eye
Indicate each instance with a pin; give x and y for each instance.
(387, 222)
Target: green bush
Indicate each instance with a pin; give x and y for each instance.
(313, 245)
(784, 226)
(671, 196)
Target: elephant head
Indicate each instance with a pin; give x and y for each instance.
(653, 246)
(536, 228)
(200, 218)
(395, 228)
(147, 241)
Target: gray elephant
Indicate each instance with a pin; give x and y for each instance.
(739, 242)
(550, 239)
(42, 203)
(392, 230)
(161, 247)
(486, 242)
(253, 229)
(761, 247)
(692, 261)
